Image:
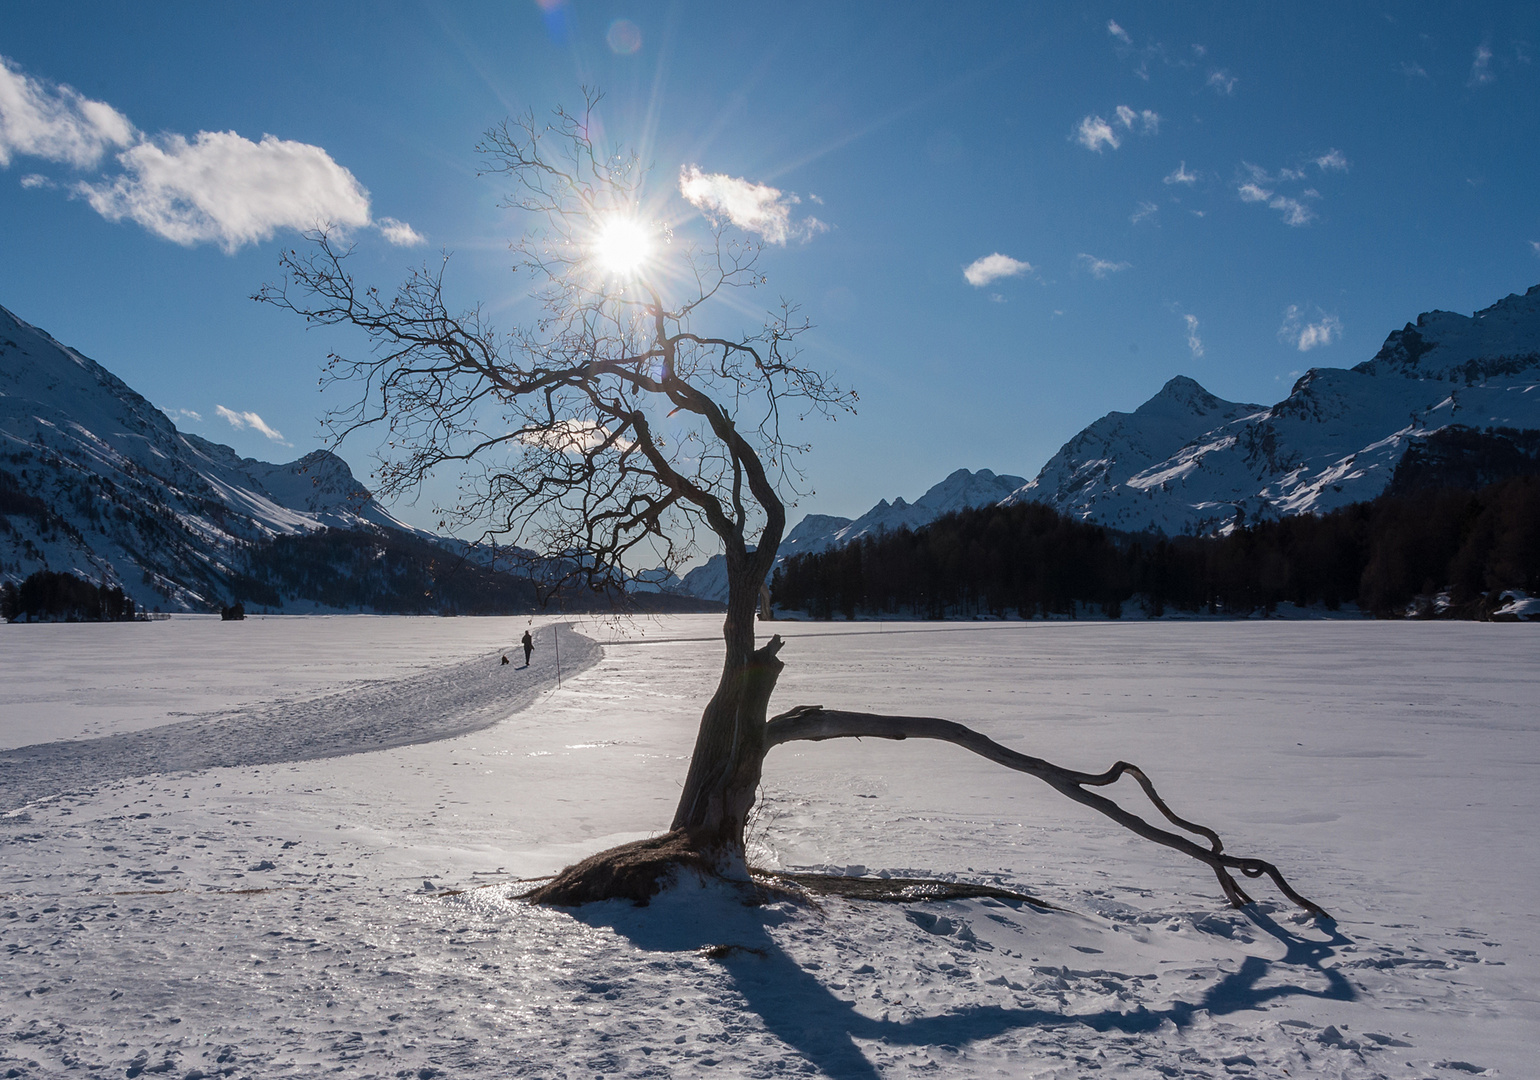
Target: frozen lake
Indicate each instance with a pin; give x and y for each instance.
(307, 909)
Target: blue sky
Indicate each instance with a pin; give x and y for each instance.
(1005, 219)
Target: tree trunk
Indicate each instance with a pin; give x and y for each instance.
(723, 780)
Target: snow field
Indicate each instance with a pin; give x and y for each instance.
(352, 914)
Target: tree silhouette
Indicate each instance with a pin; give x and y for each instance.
(610, 428)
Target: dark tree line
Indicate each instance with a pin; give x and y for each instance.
(46, 596)
(1387, 556)
(388, 573)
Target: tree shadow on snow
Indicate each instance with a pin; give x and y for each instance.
(798, 1008)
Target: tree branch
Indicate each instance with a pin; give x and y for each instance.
(815, 723)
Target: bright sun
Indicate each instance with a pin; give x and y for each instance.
(622, 245)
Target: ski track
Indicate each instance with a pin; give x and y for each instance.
(438, 704)
(356, 916)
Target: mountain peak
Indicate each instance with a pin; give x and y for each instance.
(1498, 340)
(1185, 394)
(131, 499)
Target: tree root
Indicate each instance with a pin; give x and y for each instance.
(894, 890)
(815, 723)
(637, 871)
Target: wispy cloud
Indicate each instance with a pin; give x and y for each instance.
(243, 420)
(400, 233)
(1481, 67)
(1118, 32)
(1305, 335)
(1535, 246)
(1100, 268)
(1095, 133)
(755, 208)
(1145, 209)
(1413, 70)
(1181, 176)
(1194, 342)
(1148, 120)
(1332, 161)
(1294, 211)
(217, 187)
(184, 414)
(1222, 82)
(981, 272)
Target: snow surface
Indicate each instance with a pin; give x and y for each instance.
(353, 914)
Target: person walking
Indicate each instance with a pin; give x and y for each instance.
(529, 647)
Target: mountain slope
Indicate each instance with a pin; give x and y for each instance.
(116, 493)
(1186, 462)
(818, 532)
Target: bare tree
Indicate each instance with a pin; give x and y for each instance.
(609, 429)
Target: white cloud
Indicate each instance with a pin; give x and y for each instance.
(1146, 209)
(217, 187)
(1304, 335)
(1535, 246)
(184, 414)
(1118, 32)
(1094, 133)
(755, 208)
(226, 189)
(242, 420)
(1194, 342)
(1295, 213)
(1222, 82)
(572, 436)
(981, 272)
(399, 233)
(1100, 268)
(1413, 70)
(55, 123)
(1149, 120)
(1182, 176)
(1481, 67)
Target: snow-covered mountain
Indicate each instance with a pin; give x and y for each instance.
(818, 532)
(1188, 462)
(112, 491)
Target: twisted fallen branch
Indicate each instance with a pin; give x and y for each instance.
(814, 723)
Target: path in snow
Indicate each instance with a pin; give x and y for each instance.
(437, 704)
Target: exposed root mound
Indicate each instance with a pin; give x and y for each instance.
(894, 890)
(637, 871)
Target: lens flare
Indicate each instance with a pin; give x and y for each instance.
(622, 245)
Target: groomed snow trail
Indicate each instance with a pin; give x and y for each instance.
(442, 703)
